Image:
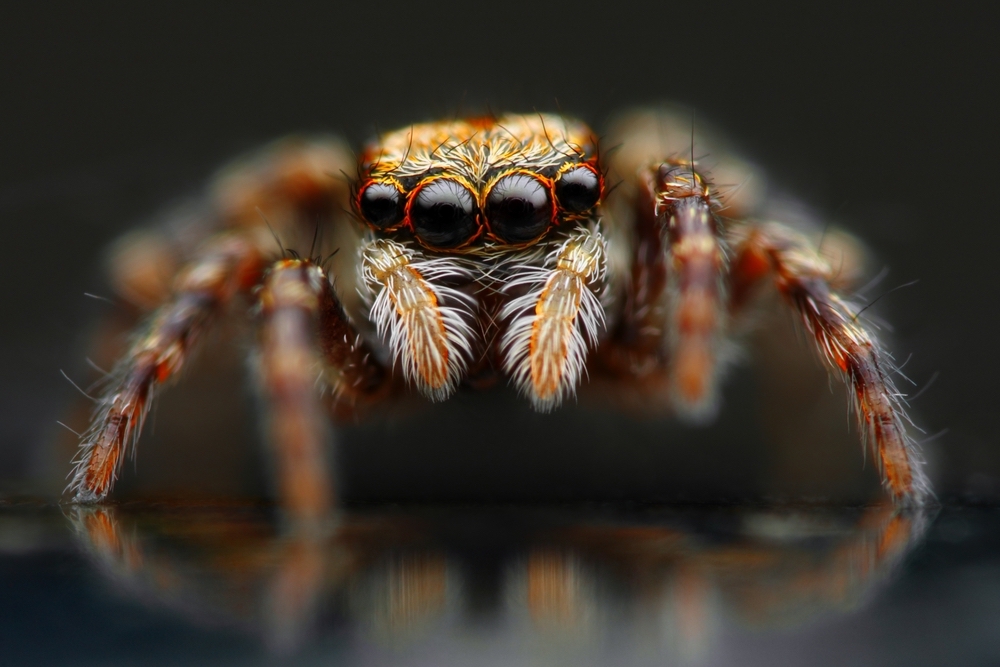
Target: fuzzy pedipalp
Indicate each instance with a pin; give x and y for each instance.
(425, 324)
(559, 318)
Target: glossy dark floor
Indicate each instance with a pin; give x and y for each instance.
(171, 584)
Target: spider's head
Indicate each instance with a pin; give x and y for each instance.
(499, 182)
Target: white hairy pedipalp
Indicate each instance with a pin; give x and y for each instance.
(425, 324)
(553, 325)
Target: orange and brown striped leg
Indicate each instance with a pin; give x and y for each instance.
(696, 265)
(673, 315)
(227, 264)
(297, 303)
(845, 345)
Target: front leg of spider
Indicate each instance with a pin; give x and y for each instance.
(227, 265)
(847, 347)
(685, 210)
(305, 335)
(673, 318)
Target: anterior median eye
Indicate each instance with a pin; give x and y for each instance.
(578, 189)
(443, 214)
(519, 208)
(381, 204)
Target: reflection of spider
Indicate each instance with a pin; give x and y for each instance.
(489, 248)
(407, 573)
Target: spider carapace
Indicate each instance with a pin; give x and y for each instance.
(476, 250)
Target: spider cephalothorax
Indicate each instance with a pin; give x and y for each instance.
(481, 183)
(461, 212)
(487, 249)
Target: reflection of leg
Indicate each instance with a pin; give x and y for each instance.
(114, 548)
(407, 591)
(557, 589)
(887, 534)
(791, 582)
(296, 589)
(693, 609)
(882, 536)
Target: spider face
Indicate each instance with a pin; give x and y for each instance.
(466, 185)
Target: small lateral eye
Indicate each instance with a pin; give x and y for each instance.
(578, 189)
(443, 214)
(519, 208)
(381, 204)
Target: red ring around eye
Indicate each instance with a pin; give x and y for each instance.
(578, 189)
(381, 204)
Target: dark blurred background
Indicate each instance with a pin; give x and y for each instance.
(882, 119)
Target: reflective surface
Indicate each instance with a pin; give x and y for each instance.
(232, 584)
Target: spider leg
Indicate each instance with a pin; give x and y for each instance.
(297, 303)
(557, 319)
(674, 316)
(287, 190)
(227, 264)
(281, 195)
(696, 264)
(845, 345)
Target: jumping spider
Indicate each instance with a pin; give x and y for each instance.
(471, 251)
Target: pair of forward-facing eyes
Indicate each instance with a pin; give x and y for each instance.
(444, 212)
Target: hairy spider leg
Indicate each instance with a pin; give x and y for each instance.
(844, 344)
(696, 265)
(226, 265)
(285, 191)
(301, 318)
(289, 367)
(672, 321)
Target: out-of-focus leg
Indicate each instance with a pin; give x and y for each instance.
(673, 316)
(301, 317)
(696, 266)
(186, 269)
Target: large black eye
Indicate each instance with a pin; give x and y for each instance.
(444, 214)
(381, 204)
(578, 189)
(519, 208)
